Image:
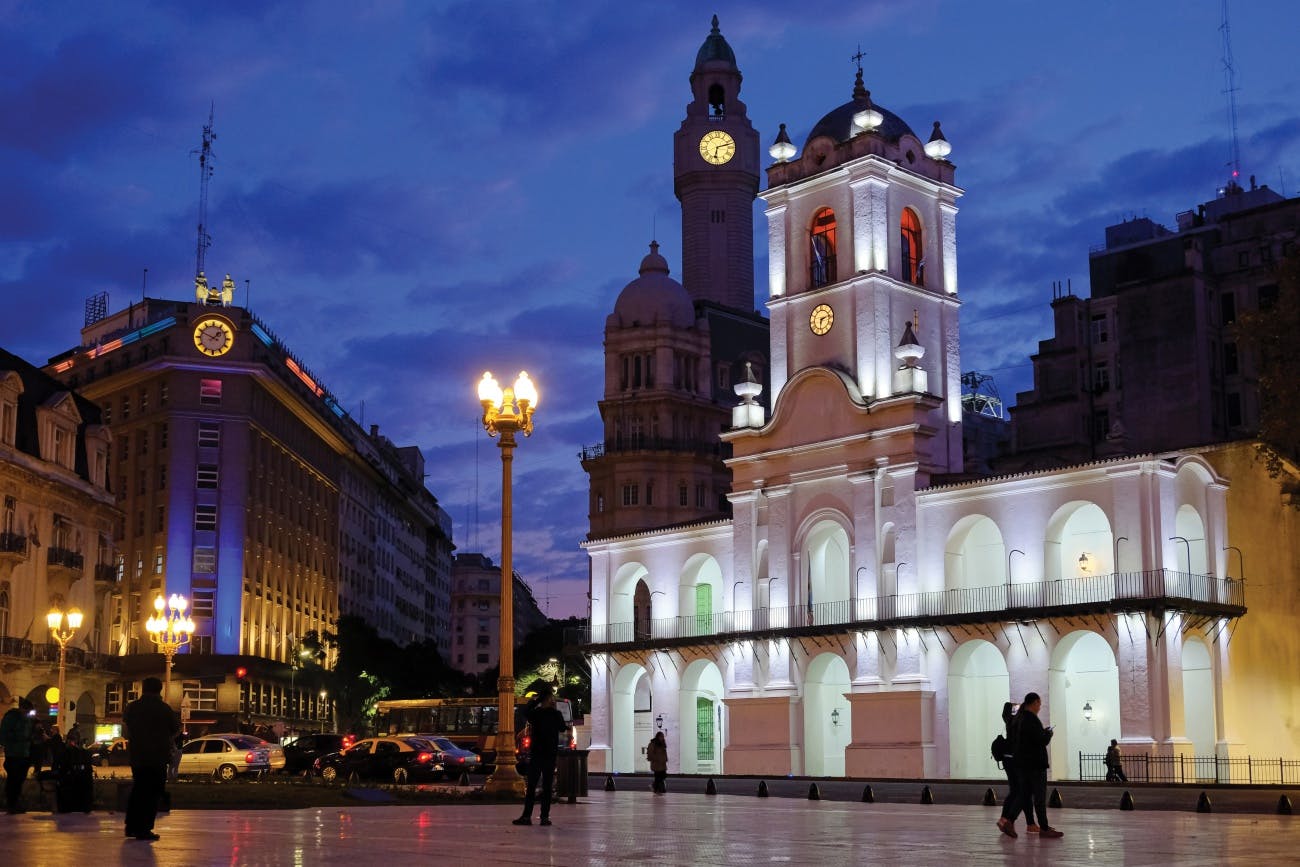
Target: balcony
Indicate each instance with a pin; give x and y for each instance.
(105, 573)
(64, 558)
(13, 549)
(1153, 591)
(23, 648)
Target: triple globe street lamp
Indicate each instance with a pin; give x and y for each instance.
(506, 412)
(170, 629)
(56, 620)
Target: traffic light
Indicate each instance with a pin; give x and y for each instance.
(241, 674)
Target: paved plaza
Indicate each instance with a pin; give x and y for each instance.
(636, 827)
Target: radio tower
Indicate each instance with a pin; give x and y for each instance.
(205, 172)
(1230, 88)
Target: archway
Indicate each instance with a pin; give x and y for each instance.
(978, 685)
(629, 724)
(1079, 543)
(622, 607)
(86, 714)
(826, 572)
(700, 593)
(1084, 700)
(700, 712)
(975, 555)
(1188, 525)
(827, 716)
(1198, 696)
(45, 712)
(641, 608)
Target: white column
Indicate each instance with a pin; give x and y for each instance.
(948, 245)
(776, 249)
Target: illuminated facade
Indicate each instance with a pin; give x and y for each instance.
(239, 478)
(867, 608)
(56, 537)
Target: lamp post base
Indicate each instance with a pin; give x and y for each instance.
(505, 782)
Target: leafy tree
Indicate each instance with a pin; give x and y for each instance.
(1271, 333)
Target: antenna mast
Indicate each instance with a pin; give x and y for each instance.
(205, 172)
(1230, 88)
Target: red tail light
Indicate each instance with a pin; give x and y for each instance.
(573, 743)
(424, 758)
(250, 758)
(460, 759)
(528, 742)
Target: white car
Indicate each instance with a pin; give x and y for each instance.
(224, 756)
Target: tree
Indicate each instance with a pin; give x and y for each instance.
(1270, 332)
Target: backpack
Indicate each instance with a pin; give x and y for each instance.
(998, 748)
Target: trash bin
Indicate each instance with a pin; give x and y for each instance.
(571, 775)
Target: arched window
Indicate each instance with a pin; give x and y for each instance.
(911, 250)
(717, 100)
(821, 253)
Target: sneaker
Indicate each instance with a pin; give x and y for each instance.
(1052, 833)
(1007, 828)
(544, 822)
(522, 820)
(1031, 829)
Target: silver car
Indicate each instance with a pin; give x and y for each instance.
(224, 756)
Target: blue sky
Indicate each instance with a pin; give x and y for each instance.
(417, 192)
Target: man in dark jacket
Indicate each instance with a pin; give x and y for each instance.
(150, 726)
(17, 730)
(1030, 750)
(545, 724)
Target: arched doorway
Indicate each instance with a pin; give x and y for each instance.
(700, 594)
(700, 713)
(827, 716)
(626, 617)
(978, 686)
(826, 572)
(1189, 527)
(86, 714)
(641, 611)
(1079, 543)
(1198, 696)
(629, 725)
(1084, 700)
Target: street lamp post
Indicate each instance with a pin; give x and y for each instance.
(506, 412)
(170, 631)
(55, 620)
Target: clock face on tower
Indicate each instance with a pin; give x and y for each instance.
(717, 147)
(213, 337)
(822, 319)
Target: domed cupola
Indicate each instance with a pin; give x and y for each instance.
(860, 115)
(654, 297)
(715, 48)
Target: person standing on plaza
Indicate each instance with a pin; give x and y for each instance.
(1114, 764)
(150, 726)
(1006, 824)
(545, 725)
(16, 732)
(74, 736)
(1030, 749)
(657, 754)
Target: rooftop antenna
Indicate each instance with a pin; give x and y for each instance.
(205, 172)
(1230, 88)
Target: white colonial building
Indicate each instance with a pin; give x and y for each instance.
(868, 607)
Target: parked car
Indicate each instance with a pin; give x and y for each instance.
(454, 760)
(110, 752)
(274, 753)
(224, 756)
(301, 753)
(406, 759)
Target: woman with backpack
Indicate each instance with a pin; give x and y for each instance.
(1004, 754)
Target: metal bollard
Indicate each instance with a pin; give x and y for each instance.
(710, 789)
(1126, 801)
(814, 794)
(927, 797)
(609, 783)
(1203, 804)
(868, 796)
(1055, 800)
(762, 788)
(990, 799)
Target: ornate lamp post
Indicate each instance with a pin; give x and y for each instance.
(170, 631)
(55, 620)
(506, 412)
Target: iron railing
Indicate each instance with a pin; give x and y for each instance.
(106, 572)
(1019, 601)
(25, 648)
(1143, 768)
(64, 557)
(629, 443)
(13, 543)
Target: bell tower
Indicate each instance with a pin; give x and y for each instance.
(715, 177)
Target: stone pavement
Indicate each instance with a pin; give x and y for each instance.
(636, 827)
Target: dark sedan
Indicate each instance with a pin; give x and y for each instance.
(454, 760)
(301, 753)
(388, 759)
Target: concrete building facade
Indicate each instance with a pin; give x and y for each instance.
(476, 613)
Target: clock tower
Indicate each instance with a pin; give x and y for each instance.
(715, 176)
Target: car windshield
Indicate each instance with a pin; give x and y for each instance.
(247, 743)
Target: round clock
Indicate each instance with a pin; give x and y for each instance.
(717, 147)
(822, 319)
(213, 337)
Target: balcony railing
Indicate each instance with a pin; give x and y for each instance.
(631, 443)
(13, 543)
(65, 557)
(1094, 594)
(106, 572)
(25, 648)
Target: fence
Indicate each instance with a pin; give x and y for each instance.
(1195, 769)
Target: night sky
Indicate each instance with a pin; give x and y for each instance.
(417, 192)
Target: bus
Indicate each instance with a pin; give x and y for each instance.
(470, 723)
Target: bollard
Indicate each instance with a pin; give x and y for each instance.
(1283, 806)
(464, 779)
(609, 783)
(927, 797)
(710, 789)
(1126, 802)
(1203, 804)
(869, 797)
(814, 794)
(990, 799)
(1055, 800)
(762, 788)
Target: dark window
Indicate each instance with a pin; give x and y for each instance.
(1100, 425)
(1229, 358)
(911, 248)
(1234, 410)
(821, 252)
(1227, 308)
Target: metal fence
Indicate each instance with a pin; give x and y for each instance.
(1195, 769)
(1010, 601)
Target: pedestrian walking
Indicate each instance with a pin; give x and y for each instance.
(1114, 764)
(1006, 824)
(546, 724)
(1030, 749)
(657, 753)
(17, 729)
(150, 725)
